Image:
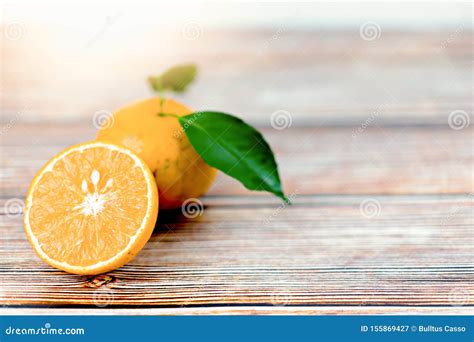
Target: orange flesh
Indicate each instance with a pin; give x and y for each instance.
(89, 206)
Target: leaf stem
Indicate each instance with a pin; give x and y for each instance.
(169, 115)
(162, 98)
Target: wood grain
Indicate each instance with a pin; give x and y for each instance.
(360, 238)
(317, 252)
(314, 160)
(319, 75)
(248, 310)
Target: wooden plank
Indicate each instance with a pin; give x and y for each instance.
(317, 75)
(248, 310)
(321, 251)
(312, 160)
(381, 222)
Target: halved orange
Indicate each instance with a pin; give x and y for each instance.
(91, 208)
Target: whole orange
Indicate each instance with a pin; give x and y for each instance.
(179, 171)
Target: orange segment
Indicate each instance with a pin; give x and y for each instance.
(91, 208)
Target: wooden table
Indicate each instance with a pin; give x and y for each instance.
(382, 186)
(382, 223)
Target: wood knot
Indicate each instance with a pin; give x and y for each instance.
(99, 280)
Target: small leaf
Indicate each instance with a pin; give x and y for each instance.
(174, 79)
(234, 147)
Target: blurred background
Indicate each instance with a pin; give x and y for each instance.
(324, 63)
(367, 105)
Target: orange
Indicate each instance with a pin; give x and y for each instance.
(91, 208)
(160, 141)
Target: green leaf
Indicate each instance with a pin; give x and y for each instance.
(234, 147)
(174, 79)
